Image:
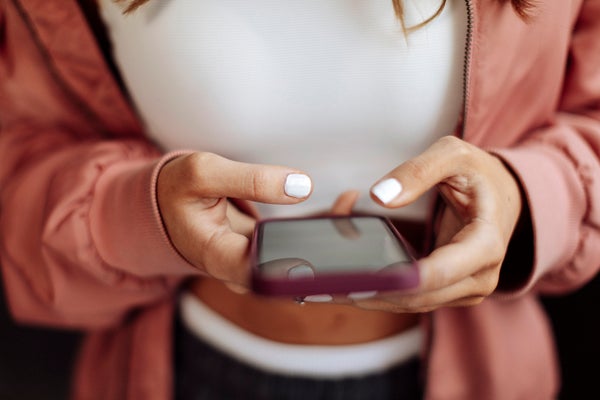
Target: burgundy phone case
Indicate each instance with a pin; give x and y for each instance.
(395, 277)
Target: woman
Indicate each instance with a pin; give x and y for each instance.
(100, 229)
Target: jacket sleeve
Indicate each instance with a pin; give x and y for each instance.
(559, 169)
(82, 242)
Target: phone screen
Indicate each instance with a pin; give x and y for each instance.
(328, 245)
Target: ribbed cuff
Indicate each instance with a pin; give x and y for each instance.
(126, 224)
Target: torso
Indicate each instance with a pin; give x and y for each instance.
(308, 323)
(285, 83)
(332, 88)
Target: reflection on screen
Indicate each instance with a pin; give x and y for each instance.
(305, 247)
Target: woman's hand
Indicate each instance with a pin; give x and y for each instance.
(483, 204)
(203, 225)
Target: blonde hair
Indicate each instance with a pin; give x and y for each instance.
(399, 10)
(522, 7)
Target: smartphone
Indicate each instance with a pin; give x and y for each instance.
(330, 255)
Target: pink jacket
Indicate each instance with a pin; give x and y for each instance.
(77, 181)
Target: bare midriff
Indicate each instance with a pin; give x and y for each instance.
(286, 321)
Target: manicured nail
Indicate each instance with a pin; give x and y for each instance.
(297, 185)
(387, 190)
(318, 298)
(362, 295)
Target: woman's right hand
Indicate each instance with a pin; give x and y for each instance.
(205, 228)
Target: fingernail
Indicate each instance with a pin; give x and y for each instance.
(318, 298)
(300, 272)
(387, 190)
(297, 185)
(362, 295)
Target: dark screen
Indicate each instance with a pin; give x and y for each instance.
(351, 244)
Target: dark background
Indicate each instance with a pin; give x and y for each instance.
(576, 322)
(35, 363)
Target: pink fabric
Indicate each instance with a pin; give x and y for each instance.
(77, 178)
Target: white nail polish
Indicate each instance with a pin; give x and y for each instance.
(362, 295)
(318, 298)
(297, 185)
(387, 190)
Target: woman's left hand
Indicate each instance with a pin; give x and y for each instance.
(483, 205)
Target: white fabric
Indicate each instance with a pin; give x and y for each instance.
(332, 87)
(297, 360)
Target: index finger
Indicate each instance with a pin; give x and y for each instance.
(208, 175)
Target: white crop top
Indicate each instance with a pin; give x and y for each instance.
(332, 87)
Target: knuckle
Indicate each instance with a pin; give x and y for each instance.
(203, 158)
(495, 254)
(258, 183)
(436, 278)
(200, 161)
(486, 282)
(417, 168)
(451, 142)
(494, 245)
(493, 279)
(456, 146)
(197, 164)
(497, 250)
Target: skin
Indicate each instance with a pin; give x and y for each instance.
(483, 205)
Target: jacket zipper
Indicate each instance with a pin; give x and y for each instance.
(430, 322)
(467, 66)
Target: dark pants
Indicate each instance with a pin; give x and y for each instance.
(202, 372)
